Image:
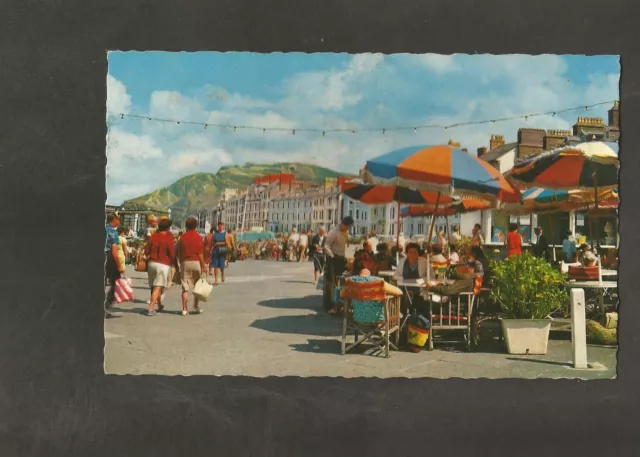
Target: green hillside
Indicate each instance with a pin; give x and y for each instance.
(202, 190)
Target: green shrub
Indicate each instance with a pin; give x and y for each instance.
(527, 287)
(464, 244)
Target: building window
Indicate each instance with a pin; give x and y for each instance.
(392, 212)
(357, 214)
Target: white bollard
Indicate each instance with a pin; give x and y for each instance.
(578, 329)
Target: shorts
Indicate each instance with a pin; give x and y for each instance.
(189, 274)
(159, 274)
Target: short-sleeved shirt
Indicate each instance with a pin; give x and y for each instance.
(160, 248)
(190, 246)
(112, 237)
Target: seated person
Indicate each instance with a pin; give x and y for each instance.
(366, 246)
(382, 257)
(454, 257)
(414, 267)
(364, 258)
(437, 256)
(369, 311)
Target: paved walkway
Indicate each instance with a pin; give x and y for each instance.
(267, 320)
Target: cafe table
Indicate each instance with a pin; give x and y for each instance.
(600, 286)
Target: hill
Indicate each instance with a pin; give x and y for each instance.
(203, 190)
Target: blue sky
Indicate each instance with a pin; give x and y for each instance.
(326, 91)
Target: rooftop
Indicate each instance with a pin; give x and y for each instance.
(498, 152)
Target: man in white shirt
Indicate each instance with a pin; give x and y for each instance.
(455, 235)
(302, 246)
(335, 247)
(294, 239)
(373, 239)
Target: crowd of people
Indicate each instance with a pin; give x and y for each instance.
(167, 257)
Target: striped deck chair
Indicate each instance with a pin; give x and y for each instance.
(440, 269)
(370, 312)
(455, 314)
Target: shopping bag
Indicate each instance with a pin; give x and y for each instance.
(124, 290)
(202, 289)
(320, 283)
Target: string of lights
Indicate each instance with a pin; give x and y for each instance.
(384, 130)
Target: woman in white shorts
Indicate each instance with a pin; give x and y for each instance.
(160, 253)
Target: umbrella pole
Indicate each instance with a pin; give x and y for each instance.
(595, 186)
(446, 246)
(398, 226)
(433, 219)
(553, 244)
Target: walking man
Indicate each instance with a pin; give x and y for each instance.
(114, 268)
(336, 263)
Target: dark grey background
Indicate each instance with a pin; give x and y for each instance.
(54, 398)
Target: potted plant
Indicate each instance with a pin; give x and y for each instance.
(464, 244)
(528, 290)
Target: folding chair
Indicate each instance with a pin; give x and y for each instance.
(370, 312)
(440, 269)
(453, 314)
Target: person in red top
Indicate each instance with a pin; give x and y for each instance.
(160, 254)
(513, 241)
(192, 266)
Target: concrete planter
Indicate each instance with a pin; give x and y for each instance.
(526, 336)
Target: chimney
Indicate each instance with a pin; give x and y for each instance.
(614, 115)
(482, 151)
(454, 144)
(496, 141)
(465, 150)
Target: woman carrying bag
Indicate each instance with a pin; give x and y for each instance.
(192, 266)
(219, 253)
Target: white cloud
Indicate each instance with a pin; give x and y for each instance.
(118, 100)
(439, 63)
(365, 92)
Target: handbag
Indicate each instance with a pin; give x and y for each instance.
(221, 251)
(124, 290)
(320, 283)
(202, 289)
(142, 265)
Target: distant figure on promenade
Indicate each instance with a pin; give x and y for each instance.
(192, 266)
(152, 227)
(455, 236)
(336, 263)
(113, 268)
(302, 246)
(317, 252)
(542, 245)
(373, 239)
(569, 247)
(160, 253)
(476, 236)
(221, 246)
(208, 250)
(232, 246)
(513, 241)
(294, 239)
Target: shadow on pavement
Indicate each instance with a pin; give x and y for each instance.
(546, 362)
(318, 347)
(312, 324)
(299, 282)
(312, 302)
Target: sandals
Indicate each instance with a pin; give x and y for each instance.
(197, 311)
(333, 311)
(151, 313)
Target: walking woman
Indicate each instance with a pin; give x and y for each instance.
(513, 241)
(123, 249)
(160, 255)
(219, 253)
(192, 266)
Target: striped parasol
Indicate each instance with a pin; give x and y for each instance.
(537, 200)
(372, 194)
(464, 206)
(443, 169)
(587, 166)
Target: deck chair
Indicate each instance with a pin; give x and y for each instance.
(454, 313)
(369, 312)
(440, 269)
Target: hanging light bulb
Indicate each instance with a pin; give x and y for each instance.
(586, 108)
(178, 123)
(353, 132)
(234, 129)
(415, 130)
(122, 116)
(526, 118)
(205, 126)
(323, 133)
(554, 114)
(293, 131)
(383, 131)
(264, 131)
